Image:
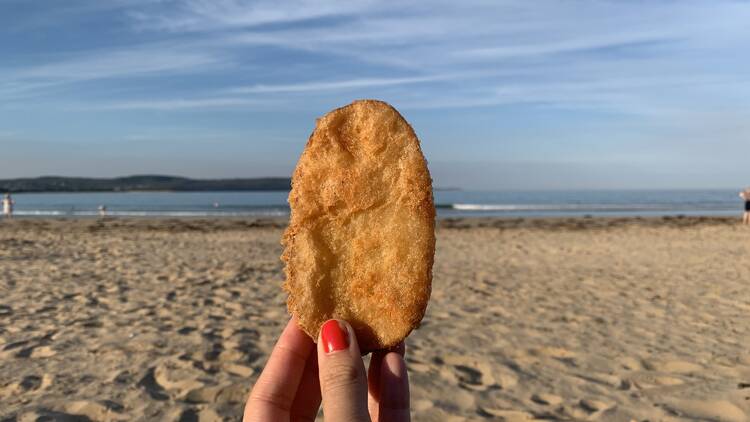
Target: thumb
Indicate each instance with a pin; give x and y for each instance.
(343, 383)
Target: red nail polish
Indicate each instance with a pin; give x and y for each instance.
(333, 336)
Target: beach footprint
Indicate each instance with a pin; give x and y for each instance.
(104, 410)
(29, 384)
(546, 399)
(171, 378)
(674, 367)
(474, 373)
(707, 410)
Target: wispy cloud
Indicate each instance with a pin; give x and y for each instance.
(336, 85)
(153, 60)
(553, 47)
(203, 15)
(545, 52)
(181, 104)
(127, 62)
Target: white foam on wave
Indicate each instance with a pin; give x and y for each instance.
(562, 207)
(51, 213)
(39, 212)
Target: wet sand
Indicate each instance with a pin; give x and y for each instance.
(551, 319)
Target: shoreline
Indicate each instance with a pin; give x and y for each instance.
(207, 224)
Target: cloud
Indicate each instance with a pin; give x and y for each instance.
(564, 46)
(154, 60)
(544, 52)
(127, 62)
(181, 104)
(335, 85)
(610, 55)
(205, 15)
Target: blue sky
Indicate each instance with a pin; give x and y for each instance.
(542, 94)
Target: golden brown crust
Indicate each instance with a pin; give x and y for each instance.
(361, 237)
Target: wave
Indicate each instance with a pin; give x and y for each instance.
(58, 213)
(584, 207)
(444, 209)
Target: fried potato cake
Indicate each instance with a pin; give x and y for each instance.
(361, 239)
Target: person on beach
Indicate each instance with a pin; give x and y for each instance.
(300, 374)
(745, 194)
(8, 203)
(102, 210)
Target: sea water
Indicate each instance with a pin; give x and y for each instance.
(449, 203)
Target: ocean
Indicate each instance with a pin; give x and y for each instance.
(449, 203)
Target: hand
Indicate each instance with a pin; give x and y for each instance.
(299, 374)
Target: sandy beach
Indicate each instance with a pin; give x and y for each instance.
(567, 319)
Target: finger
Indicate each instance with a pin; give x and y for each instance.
(343, 384)
(307, 400)
(273, 393)
(373, 378)
(373, 384)
(394, 389)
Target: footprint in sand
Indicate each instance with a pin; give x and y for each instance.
(593, 406)
(28, 384)
(241, 371)
(193, 415)
(546, 399)
(554, 352)
(171, 378)
(507, 415)
(674, 367)
(34, 348)
(178, 377)
(218, 394)
(629, 363)
(474, 373)
(105, 410)
(241, 346)
(78, 411)
(608, 380)
(42, 352)
(149, 384)
(708, 410)
(647, 379)
(416, 365)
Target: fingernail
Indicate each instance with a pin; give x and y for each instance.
(333, 336)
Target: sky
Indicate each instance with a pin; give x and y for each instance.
(503, 94)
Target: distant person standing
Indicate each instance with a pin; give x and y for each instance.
(8, 203)
(102, 210)
(745, 194)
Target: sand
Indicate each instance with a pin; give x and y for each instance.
(582, 319)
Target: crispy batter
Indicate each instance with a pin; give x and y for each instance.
(361, 238)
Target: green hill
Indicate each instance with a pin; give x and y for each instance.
(141, 183)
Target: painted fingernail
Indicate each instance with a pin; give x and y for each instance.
(333, 336)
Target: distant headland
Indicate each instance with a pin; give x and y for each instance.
(141, 183)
